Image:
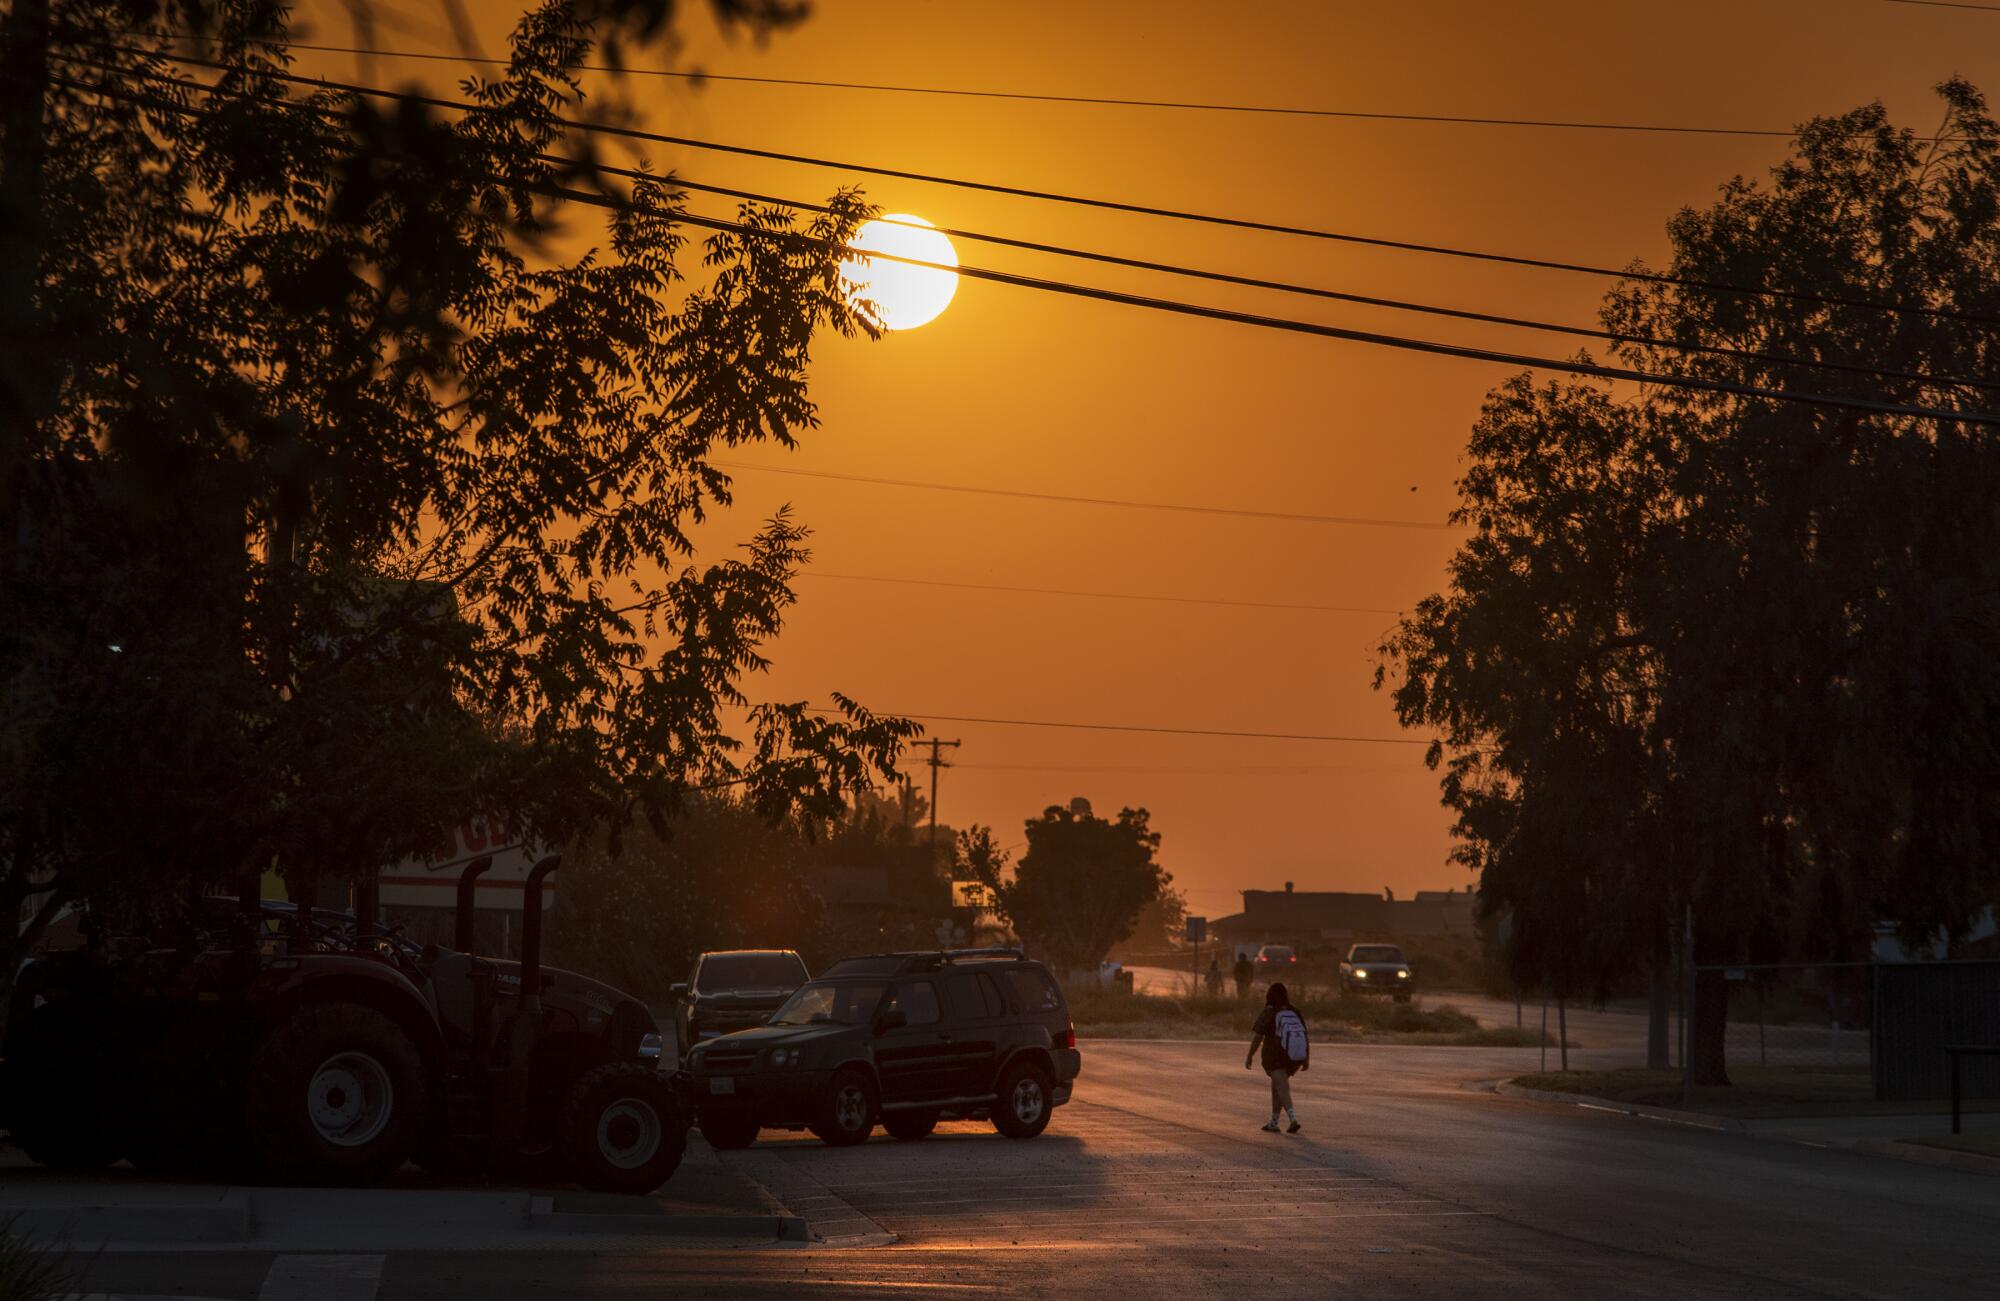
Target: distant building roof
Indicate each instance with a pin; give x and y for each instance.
(1332, 914)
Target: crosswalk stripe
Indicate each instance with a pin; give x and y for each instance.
(323, 1278)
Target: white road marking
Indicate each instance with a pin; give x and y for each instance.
(323, 1278)
(1132, 1226)
(1206, 1177)
(1111, 1197)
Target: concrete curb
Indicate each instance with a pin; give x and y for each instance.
(1922, 1154)
(225, 1221)
(1692, 1119)
(831, 1219)
(544, 1217)
(130, 1296)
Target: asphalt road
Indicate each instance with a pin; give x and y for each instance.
(1157, 1182)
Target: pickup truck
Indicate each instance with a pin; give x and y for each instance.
(1377, 969)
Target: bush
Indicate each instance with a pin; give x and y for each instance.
(1330, 1015)
(32, 1269)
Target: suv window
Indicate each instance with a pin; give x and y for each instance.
(918, 1002)
(1375, 953)
(1034, 990)
(750, 971)
(973, 997)
(822, 1002)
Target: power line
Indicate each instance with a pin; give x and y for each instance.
(1134, 727)
(1105, 596)
(1124, 503)
(1311, 291)
(1402, 342)
(1250, 770)
(1285, 324)
(1947, 4)
(1103, 101)
(1366, 300)
(1237, 223)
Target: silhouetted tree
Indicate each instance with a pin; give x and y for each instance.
(1736, 654)
(1078, 887)
(335, 505)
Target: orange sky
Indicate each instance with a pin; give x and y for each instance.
(1040, 393)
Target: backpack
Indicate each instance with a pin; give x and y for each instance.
(1290, 1030)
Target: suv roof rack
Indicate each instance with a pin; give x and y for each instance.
(932, 959)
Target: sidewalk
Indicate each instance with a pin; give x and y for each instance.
(1905, 1137)
(121, 1209)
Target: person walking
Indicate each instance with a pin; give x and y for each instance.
(1280, 1032)
(1243, 973)
(1214, 979)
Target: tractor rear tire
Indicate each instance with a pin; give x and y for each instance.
(338, 1095)
(622, 1129)
(66, 1096)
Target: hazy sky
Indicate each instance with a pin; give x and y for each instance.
(1020, 390)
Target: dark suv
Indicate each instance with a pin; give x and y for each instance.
(734, 991)
(906, 1038)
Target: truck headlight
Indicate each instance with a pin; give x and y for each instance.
(650, 1047)
(1402, 975)
(1361, 975)
(784, 1057)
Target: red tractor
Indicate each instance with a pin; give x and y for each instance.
(314, 1047)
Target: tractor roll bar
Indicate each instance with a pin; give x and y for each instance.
(473, 871)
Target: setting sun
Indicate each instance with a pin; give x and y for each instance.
(899, 295)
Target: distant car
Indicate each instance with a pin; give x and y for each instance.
(734, 990)
(1274, 957)
(1377, 969)
(906, 1039)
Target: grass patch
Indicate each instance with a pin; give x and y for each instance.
(1754, 1093)
(1332, 1018)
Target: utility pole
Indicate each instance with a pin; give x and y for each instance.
(936, 762)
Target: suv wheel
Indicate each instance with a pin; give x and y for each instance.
(622, 1129)
(338, 1094)
(728, 1128)
(910, 1126)
(1022, 1109)
(847, 1116)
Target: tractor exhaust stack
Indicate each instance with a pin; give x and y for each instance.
(462, 940)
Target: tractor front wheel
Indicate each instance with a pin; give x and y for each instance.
(622, 1129)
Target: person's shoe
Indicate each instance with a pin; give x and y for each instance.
(1293, 1128)
(1271, 1128)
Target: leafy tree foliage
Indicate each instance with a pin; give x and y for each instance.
(1160, 924)
(339, 505)
(722, 875)
(1730, 654)
(1080, 884)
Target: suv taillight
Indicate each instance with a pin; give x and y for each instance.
(1069, 1033)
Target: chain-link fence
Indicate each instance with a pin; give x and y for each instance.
(1802, 1015)
(1792, 1034)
